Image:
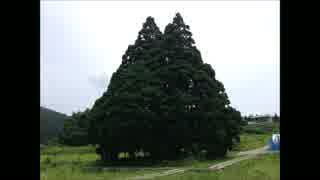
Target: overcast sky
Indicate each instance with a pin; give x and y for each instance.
(82, 44)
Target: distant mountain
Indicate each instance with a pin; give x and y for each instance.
(51, 124)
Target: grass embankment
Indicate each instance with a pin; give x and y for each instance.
(252, 141)
(264, 167)
(256, 135)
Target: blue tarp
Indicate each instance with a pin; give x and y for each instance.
(274, 146)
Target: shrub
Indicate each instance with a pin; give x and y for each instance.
(47, 161)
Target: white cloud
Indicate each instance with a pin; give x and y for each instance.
(99, 80)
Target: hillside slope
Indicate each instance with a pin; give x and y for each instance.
(51, 123)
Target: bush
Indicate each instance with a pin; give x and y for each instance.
(203, 154)
(255, 131)
(47, 161)
(261, 128)
(53, 141)
(42, 146)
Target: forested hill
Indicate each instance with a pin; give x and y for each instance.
(51, 123)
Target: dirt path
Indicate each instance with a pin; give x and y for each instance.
(243, 156)
(255, 151)
(165, 173)
(230, 162)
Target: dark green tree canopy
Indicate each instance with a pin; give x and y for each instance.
(76, 129)
(178, 31)
(163, 98)
(145, 40)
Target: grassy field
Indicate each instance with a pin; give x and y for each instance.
(262, 128)
(252, 141)
(80, 163)
(256, 135)
(77, 163)
(264, 167)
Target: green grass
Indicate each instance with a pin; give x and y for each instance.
(262, 128)
(80, 163)
(256, 135)
(193, 163)
(66, 172)
(252, 141)
(77, 163)
(264, 167)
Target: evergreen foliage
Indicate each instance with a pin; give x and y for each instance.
(164, 98)
(75, 130)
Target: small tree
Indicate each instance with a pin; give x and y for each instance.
(276, 118)
(75, 130)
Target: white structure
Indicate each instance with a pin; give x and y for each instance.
(276, 138)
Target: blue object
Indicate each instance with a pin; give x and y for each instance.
(274, 146)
